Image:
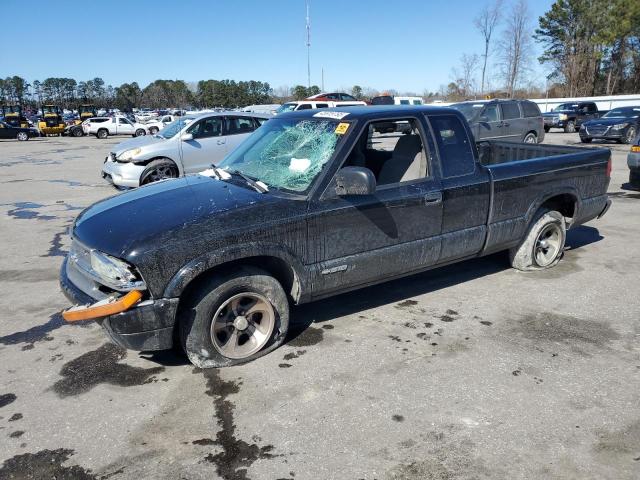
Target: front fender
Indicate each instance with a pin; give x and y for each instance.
(210, 260)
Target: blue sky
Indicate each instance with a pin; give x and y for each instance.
(410, 45)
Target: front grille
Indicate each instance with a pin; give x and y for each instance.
(596, 130)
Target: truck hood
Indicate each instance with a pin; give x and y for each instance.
(137, 142)
(166, 212)
(553, 114)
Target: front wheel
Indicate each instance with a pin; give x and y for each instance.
(570, 127)
(543, 244)
(139, 133)
(530, 138)
(153, 130)
(630, 136)
(546, 129)
(160, 169)
(102, 133)
(234, 318)
(22, 136)
(77, 132)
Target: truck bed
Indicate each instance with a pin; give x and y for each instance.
(493, 153)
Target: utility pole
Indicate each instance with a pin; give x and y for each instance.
(308, 48)
(323, 79)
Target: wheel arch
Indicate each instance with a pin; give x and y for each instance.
(566, 201)
(282, 265)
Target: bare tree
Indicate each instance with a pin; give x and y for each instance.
(486, 22)
(515, 46)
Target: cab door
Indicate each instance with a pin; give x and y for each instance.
(236, 129)
(363, 239)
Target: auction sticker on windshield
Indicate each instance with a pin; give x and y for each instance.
(336, 115)
(342, 128)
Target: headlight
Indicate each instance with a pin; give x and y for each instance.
(620, 126)
(562, 116)
(128, 154)
(114, 273)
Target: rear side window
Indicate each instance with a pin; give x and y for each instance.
(322, 105)
(304, 106)
(456, 154)
(238, 125)
(591, 108)
(530, 109)
(404, 102)
(510, 110)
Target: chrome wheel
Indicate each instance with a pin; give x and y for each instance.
(22, 136)
(242, 325)
(160, 173)
(548, 244)
(631, 135)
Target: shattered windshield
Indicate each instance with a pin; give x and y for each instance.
(287, 107)
(286, 154)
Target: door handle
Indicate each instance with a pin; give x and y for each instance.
(505, 124)
(434, 197)
(221, 142)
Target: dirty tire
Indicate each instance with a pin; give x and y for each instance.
(22, 136)
(102, 133)
(139, 133)
(546, 129)
(530, 254)
(208, 298)
(530, 138)
(157, 170)
(77, 132)
(570, 127)
(153, 130)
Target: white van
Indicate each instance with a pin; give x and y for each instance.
(311, 104)
(396, 100)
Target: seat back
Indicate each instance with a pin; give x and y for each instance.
(405, 161)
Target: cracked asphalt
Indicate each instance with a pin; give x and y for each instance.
(472, 371)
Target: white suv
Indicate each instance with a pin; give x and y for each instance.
(103, 127)
(190, 144)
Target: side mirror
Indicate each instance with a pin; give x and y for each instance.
(483, 119)
(355, 181)
(186, 137)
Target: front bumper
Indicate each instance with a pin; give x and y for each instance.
(147, 326)
(122, 174)
(607, 134)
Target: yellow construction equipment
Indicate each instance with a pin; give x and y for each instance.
(13, 116)
(51, 122)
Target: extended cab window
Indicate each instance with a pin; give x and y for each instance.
(510, 110)
(392, 149)
(456, 153)
(304, 106)
(124, 121)
(208, 127)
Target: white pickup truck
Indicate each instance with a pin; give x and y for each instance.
(103, 127)
(158, 123)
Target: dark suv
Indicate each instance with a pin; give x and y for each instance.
(506, 120)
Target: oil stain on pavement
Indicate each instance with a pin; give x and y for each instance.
(45, 464)
(236, 455)
(101, 366)
(311, 336)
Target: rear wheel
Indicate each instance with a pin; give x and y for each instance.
(543, 245)
(77, 132)
(530, 138)
(153, 130)
(570, 127)
(160, 169)
(102, 133)
(139, 133)
(22, 136)
(233, 318)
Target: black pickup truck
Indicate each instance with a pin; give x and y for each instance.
(569, 116)
(314, 204)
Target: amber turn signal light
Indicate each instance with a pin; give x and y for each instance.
(102, 308)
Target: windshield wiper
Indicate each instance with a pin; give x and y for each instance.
(258, 186)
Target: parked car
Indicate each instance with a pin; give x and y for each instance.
(310, 105)
(507, 120)
(103, 127)
(158, 123)
(633, 162)
(307, 208)
(620, 124)
(569, 116)
(23, 134)
(333, 97)
(188, 145)
(396, 100)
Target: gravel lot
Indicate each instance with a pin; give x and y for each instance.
(471, 371)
